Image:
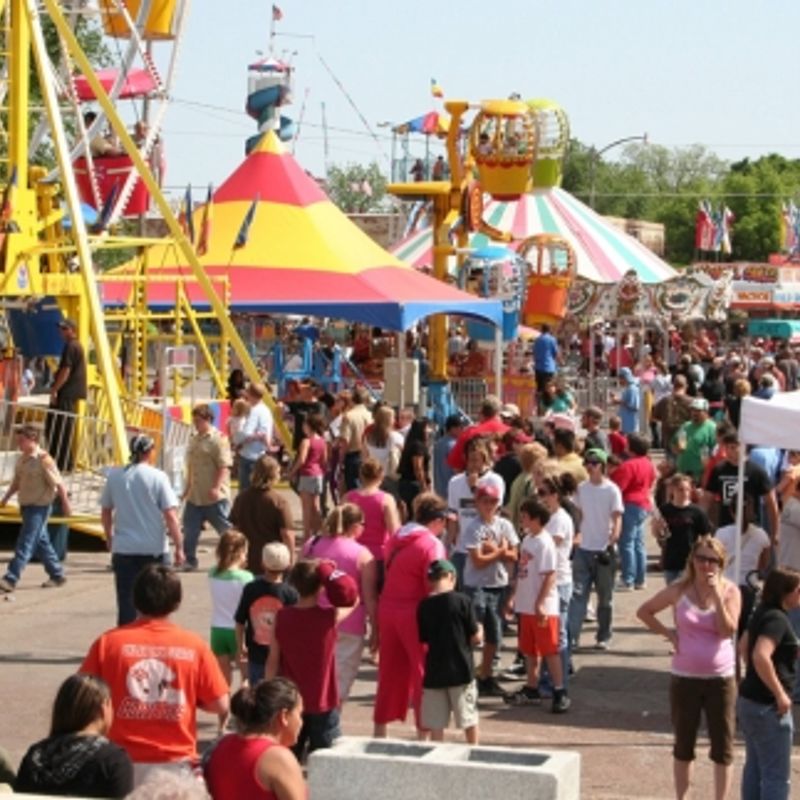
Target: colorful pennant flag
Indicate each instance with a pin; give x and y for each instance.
(277, 14)
(186, 218)
(205, 224)
(436, 90)
(244, 230)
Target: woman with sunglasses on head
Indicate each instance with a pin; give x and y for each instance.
(770, 648)
(706, 607)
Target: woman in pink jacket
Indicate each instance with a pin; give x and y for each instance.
(408, 555)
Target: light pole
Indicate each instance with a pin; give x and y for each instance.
(597, 153)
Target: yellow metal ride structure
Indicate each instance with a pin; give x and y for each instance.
(43, 257)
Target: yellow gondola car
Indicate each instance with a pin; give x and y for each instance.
(161, 19)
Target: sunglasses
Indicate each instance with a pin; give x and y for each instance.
(707, 560)
(593, 463)
(544, 493)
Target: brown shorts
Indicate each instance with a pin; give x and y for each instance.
(688, 697)
(538, 636)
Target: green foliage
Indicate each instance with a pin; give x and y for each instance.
(346, 187)
(665, 185)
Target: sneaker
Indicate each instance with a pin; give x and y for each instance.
(623, 587)
(561, 702)
(6, 586)
(604, 645)
(489, 687)
(526, 696)
(54, 583)
(591, 614)
(639, 586)
(517, 671)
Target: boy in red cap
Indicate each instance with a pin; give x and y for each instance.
(304, 644)
(491, 543)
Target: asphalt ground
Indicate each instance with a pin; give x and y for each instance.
(619, 720)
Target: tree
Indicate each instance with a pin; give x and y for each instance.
(356, 188)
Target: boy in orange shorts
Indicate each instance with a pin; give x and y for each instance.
(536, 603)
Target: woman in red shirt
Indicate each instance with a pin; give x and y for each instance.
(309, 468)
(256, 762)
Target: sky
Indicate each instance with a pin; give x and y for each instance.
(709, 72)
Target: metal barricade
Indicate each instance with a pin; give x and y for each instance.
(469, 393)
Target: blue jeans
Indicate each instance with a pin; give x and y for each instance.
(486, 604)
(768, 750)
(34, 540)
(352, 466)
(126, 569)
(631, 545)
(564, 597)
(587, 571)
(794, 617)
(459, 561)
(215, 514)
(245, 471)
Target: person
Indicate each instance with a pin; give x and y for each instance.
(255, 438)
(442, 471)
(491, 543)
(705, 606)
(532, 457)
(565, 451)
(351, 435)
(414, 468)
(536, 603)
(76, 759)
(38, 482)
(490, 424)
(461, 500)
(259, 604)
(138, 512)
(236, 385)
(789, 541)
(383, 443)
(303, 648)
(677, 526)
(256, 761)
(100, 146)
(235, 424)
(67, 390)
(262, 513)
(439, 170)
(764, 708)
(226, 582)
(594, 439)
(629, 401)
(159, 674)
(509, 466)
(381, 517)
(208, 490)
(401, 665)
(545, 358)
(671, 411)
(417, 170)
(635, 477)
(447, 626)
(594, 560)
(695, 440)
(339, 544)
(309, 469)
(617, 440)
(753, 559)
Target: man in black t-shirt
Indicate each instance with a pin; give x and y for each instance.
(720, 496)
(679, 525)
(446, 623)
(67, 389)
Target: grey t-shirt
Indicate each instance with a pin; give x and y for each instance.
(494, 574)
(139, 494)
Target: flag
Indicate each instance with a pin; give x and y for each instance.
(244, 230)
(277, 14)
(704, 227)
(727, 218)
(436, 90)
(205, 224)
(186, 218)
(108, 207)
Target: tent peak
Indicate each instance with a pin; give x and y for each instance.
(269, 143)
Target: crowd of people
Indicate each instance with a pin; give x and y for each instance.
(426, 548)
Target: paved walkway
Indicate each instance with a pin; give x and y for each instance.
(619, 721)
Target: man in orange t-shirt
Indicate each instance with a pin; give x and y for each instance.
(159, 675)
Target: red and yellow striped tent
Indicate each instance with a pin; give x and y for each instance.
(300, 255)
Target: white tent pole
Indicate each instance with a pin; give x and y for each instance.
(401, 362)
(737, 550)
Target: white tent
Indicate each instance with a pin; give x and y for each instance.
(769, 423)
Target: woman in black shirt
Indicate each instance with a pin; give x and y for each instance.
(414, 469)
(764, 708)
(76, 759)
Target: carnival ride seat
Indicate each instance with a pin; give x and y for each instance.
(161, 20)
(549, 280)
(111, 173)
(503, 141)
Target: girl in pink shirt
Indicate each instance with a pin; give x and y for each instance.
(309, 469)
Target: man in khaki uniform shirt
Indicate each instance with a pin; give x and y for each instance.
(351, 435)
(38, 481)
(208, 490)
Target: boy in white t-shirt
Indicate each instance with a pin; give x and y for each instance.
(536, 603)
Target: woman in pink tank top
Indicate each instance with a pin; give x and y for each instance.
(706, 609)
(381, 518)
(309, 470)
(338, 544)
(256, 763)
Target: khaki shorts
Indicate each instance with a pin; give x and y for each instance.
(437, 705)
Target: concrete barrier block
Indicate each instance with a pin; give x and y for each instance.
(358, 767)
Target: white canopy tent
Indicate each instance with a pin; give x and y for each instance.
(769, 423)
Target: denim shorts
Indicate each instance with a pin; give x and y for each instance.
(319, 731)
(486, 602)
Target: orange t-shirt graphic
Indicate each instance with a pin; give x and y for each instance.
(262, 619)
(158, 674)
